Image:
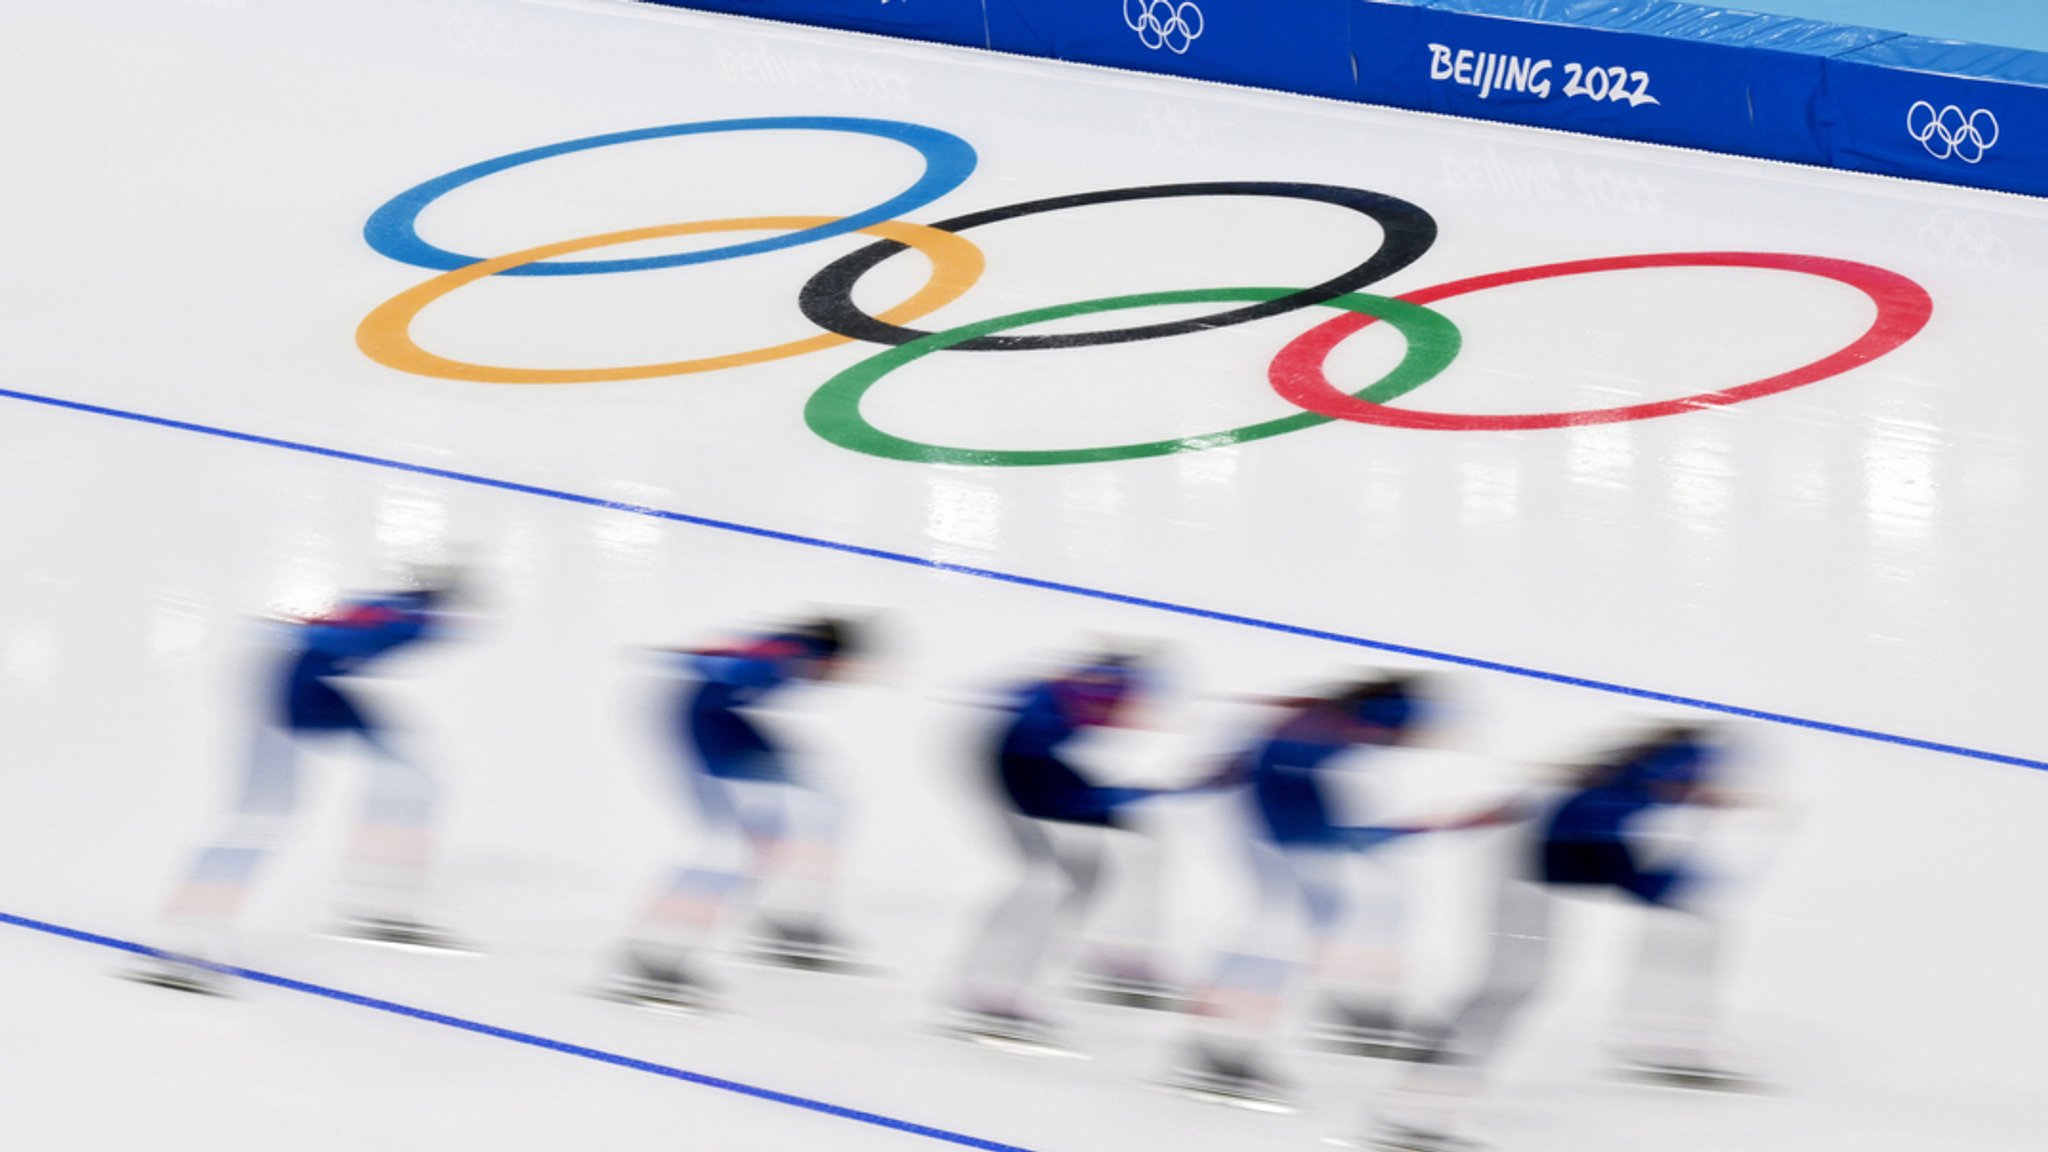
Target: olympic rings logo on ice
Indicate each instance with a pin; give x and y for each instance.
(1967, 242)
(1949, 132)
(1164, 24)
(1176, 128)
(1296, 373)
(481, 34)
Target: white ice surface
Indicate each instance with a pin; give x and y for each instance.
(184, 192)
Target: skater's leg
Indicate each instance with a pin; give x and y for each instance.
(1431, 1100)
(797, 855)
(1516, 966)
(686, 910)
(1003, 960)
(1669, 1012)
(1079, 855)
(392, 843)
(657, 964)
(1237, 1009)
(211, 894)
(1241, 1003)
(1359, 969)
(209, 897)
(1122, 947)
(1360, 960)
(1078, 851)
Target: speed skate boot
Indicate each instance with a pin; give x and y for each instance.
(659, 979)
(1357, 1029)
(399, 931)
(1387, 1137)
(1690, 1064)
(806, 945)
(181, 974)
(1006, 1026)
(1212, 1074)
(1129, 984)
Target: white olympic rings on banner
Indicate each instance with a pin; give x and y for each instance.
(1164, 24)
(1949, 132)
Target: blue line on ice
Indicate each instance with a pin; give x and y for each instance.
(1032, 581)
(533, 1041)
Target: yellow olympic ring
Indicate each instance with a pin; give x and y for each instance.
(385, 335)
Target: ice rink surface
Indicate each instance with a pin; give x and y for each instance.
(196, 438)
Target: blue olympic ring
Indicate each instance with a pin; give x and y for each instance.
(393, 229)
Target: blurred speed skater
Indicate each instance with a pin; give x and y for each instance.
(771, 836)
(310, 707)
(1302, 858)
(1062, 824)
(1594, 838)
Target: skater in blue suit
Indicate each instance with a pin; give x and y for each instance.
(311, 707)
(771, 835)
(1592, 839)
(1305, 862)
(1062, 825)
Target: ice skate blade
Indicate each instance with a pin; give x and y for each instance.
(409, 938)
(198, 983)
(1251, 1100)
(1037, 1049)
(830, 964)
(1011, 1043)
(656, 1002)
(1405, 1142)
(1133, 996)
(1372, 1048)
(1696, 1079)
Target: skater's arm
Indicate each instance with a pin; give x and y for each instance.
(1513, 810)
(1363, 838)
(1110, 799)
(1232, 773)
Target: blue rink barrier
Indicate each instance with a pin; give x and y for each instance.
(1693, 75)
(1294, 45)
(1939, 110)
(1665, 72)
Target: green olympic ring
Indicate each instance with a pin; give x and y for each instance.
(833, 411)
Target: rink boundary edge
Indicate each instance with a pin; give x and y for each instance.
(1733, 82)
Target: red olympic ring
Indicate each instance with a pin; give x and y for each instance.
(1903, 308)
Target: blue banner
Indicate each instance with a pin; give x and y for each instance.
(1294, 45)
(1937, 110)
(1670, 73)
(1656, 70)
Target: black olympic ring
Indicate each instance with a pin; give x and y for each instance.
(827, 300)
